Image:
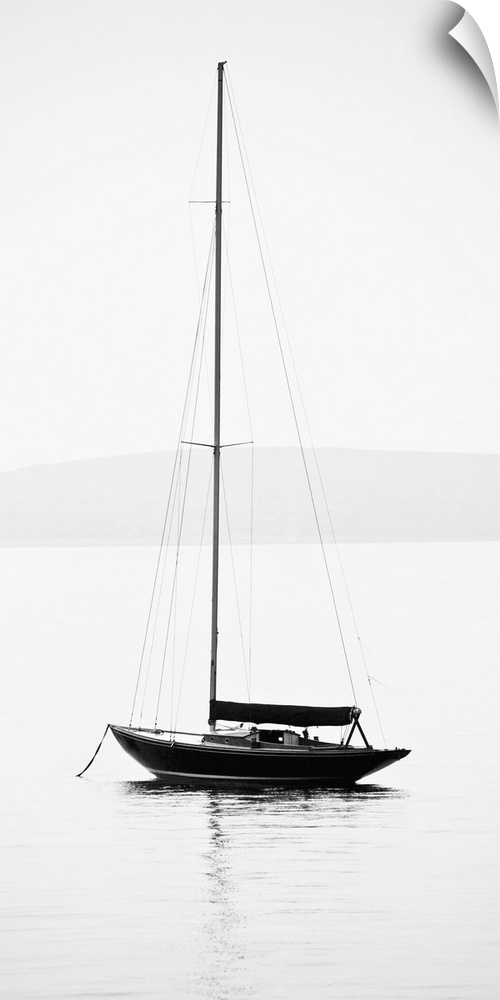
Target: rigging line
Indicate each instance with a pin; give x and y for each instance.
(249, 418)
(235, 582)
(173, 591)
(174, 586)
(252, 479)
(304, 413)
(200, 202)
(363, 658)
(297, 380)
(172, 480)
(207, 372)
(292, 403)
(225, 147)
(318, 470)
(167, 636)
(181, 524)
(202, 321)
(175, 598)
(176, 569)
(193, 245)
(275, 284)
(195, 256)
(325, 500)
(250, 609)
(203, 136)
(344, 579)
(238, 336)
(195, 587)
(161, 558)
(158, 595)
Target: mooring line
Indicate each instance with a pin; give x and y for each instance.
(95, 755)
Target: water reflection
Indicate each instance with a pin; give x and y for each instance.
(262, 872)
(273, 795)
(336, 805)
(227, 972)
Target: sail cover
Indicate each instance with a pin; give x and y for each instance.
(291, 715)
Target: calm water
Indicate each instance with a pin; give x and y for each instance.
(114, 886)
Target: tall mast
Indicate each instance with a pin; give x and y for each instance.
(217, 366)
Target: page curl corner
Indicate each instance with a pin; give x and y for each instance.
(468, 34)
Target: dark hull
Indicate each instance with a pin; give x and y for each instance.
(213, 764)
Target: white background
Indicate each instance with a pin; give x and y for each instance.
(376, 162)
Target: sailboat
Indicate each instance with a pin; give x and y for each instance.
(264, 748)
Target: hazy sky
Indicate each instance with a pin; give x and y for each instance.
(376, 158)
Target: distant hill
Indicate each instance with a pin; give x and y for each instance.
(372, 496)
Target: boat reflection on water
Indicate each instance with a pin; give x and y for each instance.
(272, 795)
(262, 875)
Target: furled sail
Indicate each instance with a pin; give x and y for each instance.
(291, 715)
